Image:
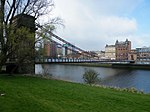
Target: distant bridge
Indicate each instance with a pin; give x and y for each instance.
(67, 60)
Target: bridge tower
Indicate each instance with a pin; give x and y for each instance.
(27, 21)
(65, 50)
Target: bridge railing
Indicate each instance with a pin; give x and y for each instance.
(73, 60)
(55, 60)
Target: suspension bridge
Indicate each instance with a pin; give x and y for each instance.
(75, 50)
(87, 57)
(77, 53)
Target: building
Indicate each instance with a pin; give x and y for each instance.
(50, 49)
(47, 48)
(69, 51)
(110, 52)
(65, 50)
(100, 54)
(122, 49)
(59, 52)
(132, 55)
(143, 55)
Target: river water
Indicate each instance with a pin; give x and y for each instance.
(123, 78)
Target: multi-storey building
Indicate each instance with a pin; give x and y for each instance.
(110, 52)
(50, 49)
(59, 52)
(132, 55)
(143, 55)
(46, 48)
(100, 54)
(122, 49)
(65, 50)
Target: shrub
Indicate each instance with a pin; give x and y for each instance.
(90, 76)
(46, 73)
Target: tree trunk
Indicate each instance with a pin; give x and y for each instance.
(2, 3)
(2, 43)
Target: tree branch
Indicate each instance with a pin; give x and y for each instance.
(28, 2)
(10, 11)
(14, 11)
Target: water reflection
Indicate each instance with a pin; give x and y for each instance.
(123, 78)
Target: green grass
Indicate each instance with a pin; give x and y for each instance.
(30, 94)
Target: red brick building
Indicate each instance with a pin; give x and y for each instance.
(50, 49)
(123, 49)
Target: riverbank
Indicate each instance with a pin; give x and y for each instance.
(114, 65)
(32, 94)
(89, 64)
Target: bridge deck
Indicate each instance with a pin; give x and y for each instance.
(50, 60)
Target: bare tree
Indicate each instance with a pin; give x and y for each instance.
(8, 10)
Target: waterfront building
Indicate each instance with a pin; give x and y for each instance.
(92, 55)
(122, 49)
(132, 55)
(46, 48)
(65, 50)
(59, 51)
(110, 52)
(143, 55)
(69, 52)
(100, 54)
(50, 49)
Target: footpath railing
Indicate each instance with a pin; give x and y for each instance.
(67, 60)
(57, 60)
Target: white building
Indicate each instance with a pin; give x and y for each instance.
(100, 54)
(110, 52)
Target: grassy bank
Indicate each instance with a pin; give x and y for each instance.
(30, 94)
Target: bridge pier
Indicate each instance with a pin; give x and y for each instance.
(20, 68)
(11, 68)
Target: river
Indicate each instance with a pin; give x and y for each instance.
(123, 78)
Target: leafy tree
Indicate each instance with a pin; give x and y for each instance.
(22, 47)
(90, 76)
(13, 43)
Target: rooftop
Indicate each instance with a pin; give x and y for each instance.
(110, 45)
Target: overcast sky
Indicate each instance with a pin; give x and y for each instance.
(91, 24)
